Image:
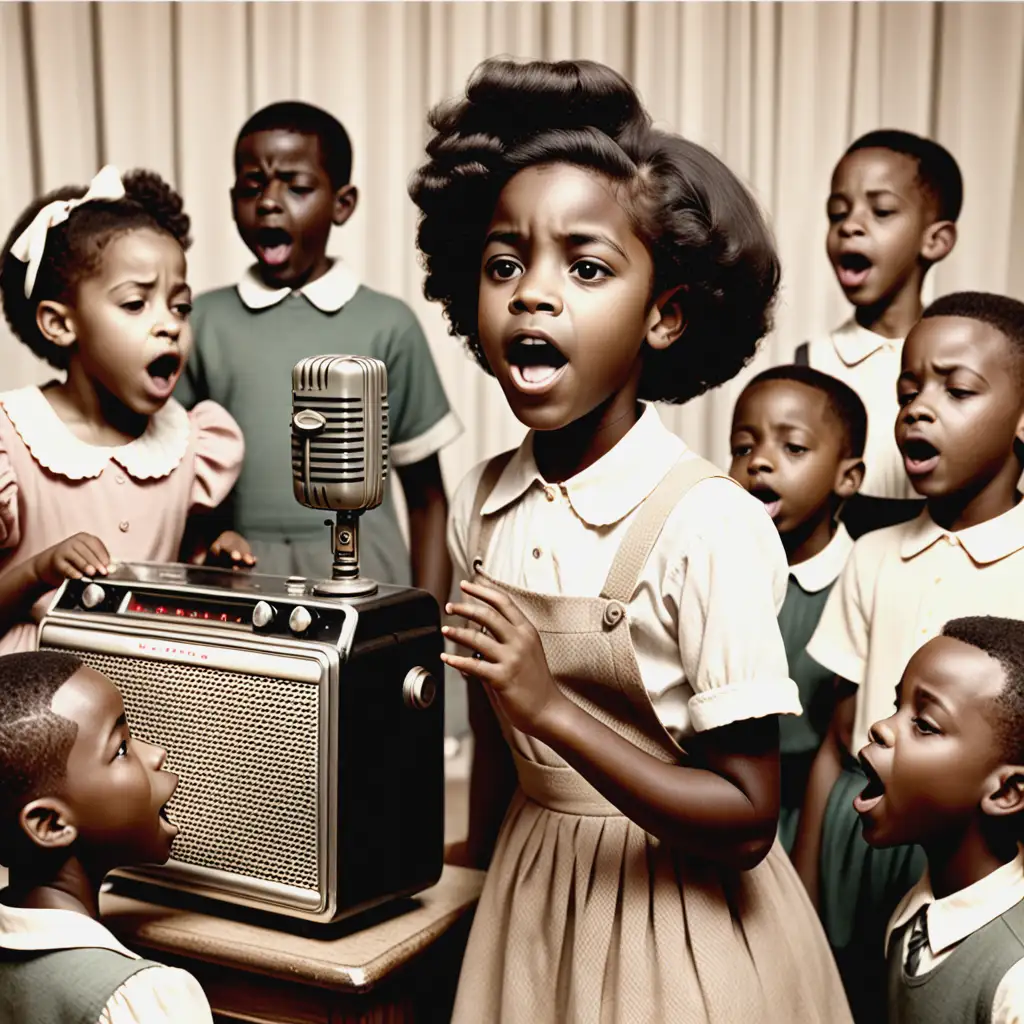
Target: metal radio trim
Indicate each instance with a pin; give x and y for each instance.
(112, 633)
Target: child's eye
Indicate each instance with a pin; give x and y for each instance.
(795, 449)
(503, 269)
(122, 750)
(885, 213)
(959, 393)
(301, 190)
(246, 191)
(589, 270)
(924, 726)
(183, 309)
(906, 397)
(134, 305)
(740, 450)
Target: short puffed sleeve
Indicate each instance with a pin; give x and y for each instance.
(10, 528)
(728, 582)
(219, 450)
(158, 995)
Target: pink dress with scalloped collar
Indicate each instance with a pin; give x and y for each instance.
(135, 498)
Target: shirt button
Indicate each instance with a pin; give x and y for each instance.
(120, 478)
(123, 526)
(537, 552)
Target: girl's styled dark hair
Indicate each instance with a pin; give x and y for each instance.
(703, 229)
(75, 247)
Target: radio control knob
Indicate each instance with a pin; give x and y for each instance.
(300, 619)
(419, 688)
(262, 615)
(93, 595)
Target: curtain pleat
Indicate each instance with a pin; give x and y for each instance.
(776, 90)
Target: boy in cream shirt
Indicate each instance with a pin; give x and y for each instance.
(892, 212)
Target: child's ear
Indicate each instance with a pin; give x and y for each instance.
(849, 477)
(666, 320)
(938, 240)
(55, 323)
(1004, 792)
(345, 200)
(47, 823)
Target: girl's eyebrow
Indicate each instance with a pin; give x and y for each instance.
(580, 238)
(508, 237)
(575, 239)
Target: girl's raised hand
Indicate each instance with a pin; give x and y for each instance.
(78, 556)
(507, 656)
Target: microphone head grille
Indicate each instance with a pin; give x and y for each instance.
(340, 432)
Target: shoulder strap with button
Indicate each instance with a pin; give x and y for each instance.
(645, 529)
(480, 530)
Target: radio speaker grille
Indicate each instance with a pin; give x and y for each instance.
(246, 750)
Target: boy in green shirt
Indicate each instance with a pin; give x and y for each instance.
(80, 796)
(798, 446)
(946, 771)
(292, 167)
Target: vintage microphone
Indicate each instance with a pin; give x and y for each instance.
(340, 453)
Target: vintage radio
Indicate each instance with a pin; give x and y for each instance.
(307, 731)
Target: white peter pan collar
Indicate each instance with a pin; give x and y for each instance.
(610, 488)
(155, 453)
(823, 569)
(854, 344)
(328, 293)
(32, 930)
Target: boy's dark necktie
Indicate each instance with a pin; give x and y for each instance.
(918, 940)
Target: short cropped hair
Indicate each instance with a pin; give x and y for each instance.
(305, 119)
(703, 230)
(1002, 639)
(937, 170)
(1006, 315)
(844, 402)
(34, 742)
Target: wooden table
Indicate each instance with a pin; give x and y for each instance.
(394, 965)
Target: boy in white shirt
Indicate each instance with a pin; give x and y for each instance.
(80, 797)
(892, 212)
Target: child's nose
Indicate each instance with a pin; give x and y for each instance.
(536, 294)
(155, 756)
(882, 733)
(269, 200)
(850, 227)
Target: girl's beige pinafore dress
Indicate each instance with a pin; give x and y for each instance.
(587, 919)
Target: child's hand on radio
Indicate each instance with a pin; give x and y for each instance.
(508, 656)
(78, 556)
(231, 549)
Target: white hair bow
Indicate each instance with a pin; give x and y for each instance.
(31, 243)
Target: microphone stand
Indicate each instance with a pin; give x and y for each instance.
(345, 579)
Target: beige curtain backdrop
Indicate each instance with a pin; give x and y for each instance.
(777, 90)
